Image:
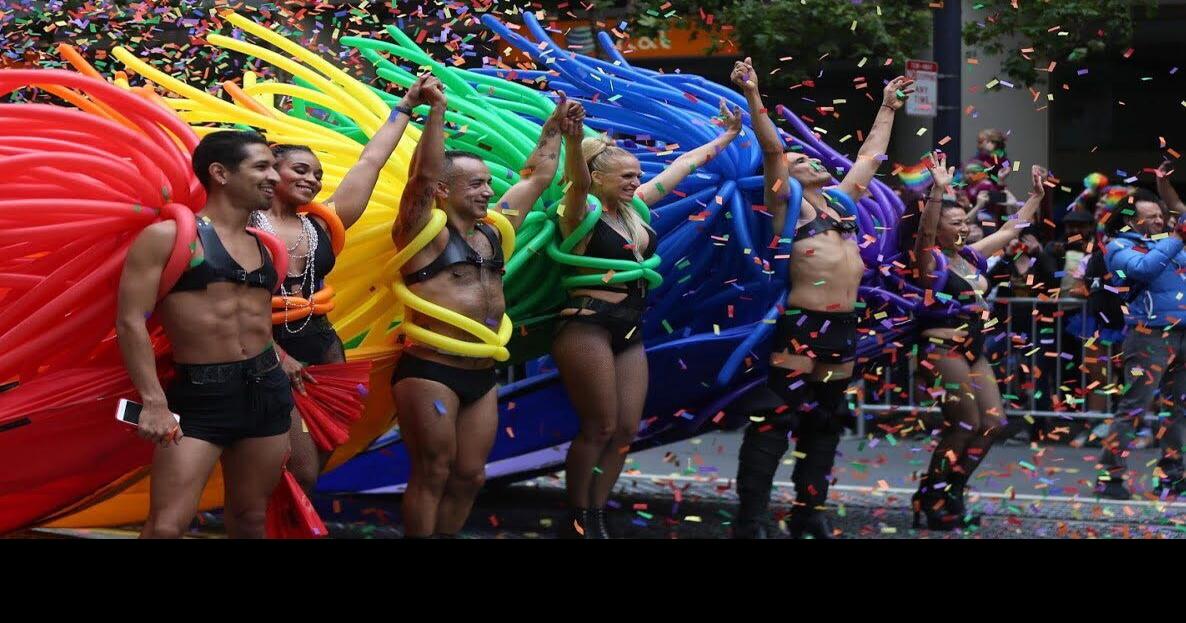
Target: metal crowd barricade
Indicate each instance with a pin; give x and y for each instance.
(1045, 351)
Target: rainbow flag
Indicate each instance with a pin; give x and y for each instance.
(916, 176)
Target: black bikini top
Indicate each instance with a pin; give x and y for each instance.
(960, 289)
(609, 244)
(458, 251)
(323, 261)
(219, 266)
(824, 222)
(962, 292)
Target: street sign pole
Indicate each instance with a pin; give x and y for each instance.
(947, 24)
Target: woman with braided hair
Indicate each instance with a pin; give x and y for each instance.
(309, 339)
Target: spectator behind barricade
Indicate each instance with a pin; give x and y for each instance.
(986, 171)
(1100, 329)
(1152, 262)
(1069, 256)
(990, 209)
(1024, 271)
(975, 234)
(1069, 253)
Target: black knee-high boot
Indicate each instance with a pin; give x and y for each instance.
(940, 497)
(763, 447)
(819, 440)
(762, 450)
(812, 476)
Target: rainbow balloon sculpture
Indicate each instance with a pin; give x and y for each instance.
(717, 281)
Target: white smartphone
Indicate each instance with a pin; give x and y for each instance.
(128, 412)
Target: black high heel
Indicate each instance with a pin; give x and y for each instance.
(916, 500)
(598, 518)
(577, 517)
(943, 510)
(811, 523)
(959, 507)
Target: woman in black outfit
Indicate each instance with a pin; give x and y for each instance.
(310, 339)
(598, 344)
(953, 328)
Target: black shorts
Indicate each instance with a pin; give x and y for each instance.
(313, 343)
(622, 320)
(223, 403)
(970, 349)
(827, 337)
(469, 385)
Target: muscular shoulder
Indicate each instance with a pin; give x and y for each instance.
(156, 240)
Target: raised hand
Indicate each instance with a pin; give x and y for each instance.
(942, 174)
(556, 119)
(744, 76)
(572, 125)
(896, 92)
(415, 95)
(731, 120)
(1039, 179)
(433, 92)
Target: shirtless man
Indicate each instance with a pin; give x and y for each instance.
(232, 397)
(447, 403)
(815, 340)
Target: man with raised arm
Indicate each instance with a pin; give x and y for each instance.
(815, 339)
(447, 403)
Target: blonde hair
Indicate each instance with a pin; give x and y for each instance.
(600, 151)
(992, 134)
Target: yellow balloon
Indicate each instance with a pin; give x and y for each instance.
(490, 344)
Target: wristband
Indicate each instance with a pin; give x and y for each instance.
(407, 110)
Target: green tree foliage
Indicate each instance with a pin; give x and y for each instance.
(804, 29)
(1029, 34)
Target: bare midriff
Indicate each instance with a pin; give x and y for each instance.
(224, 323)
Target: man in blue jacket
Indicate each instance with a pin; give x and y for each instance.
(1152, 264)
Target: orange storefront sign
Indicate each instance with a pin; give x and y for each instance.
(579, 36)
(674, 43)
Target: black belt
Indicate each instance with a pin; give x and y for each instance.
(256, 366)
(628, 310)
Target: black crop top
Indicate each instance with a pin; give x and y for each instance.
(607, 243)
(458, 251)
(824, 222)
(323, 262)
(219, 266)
